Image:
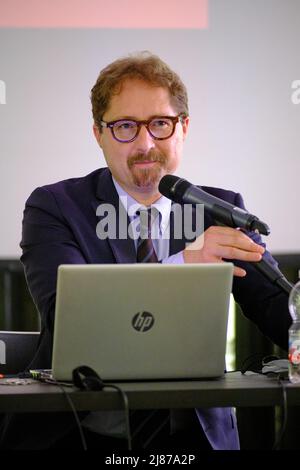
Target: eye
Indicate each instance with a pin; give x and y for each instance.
(160, 123)
(124, 125)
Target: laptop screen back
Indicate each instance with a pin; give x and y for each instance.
(142, 321)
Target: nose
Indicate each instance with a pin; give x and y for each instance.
(144, 142)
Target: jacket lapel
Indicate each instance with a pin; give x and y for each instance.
(176, 244)
(183, 220)
(121, 244)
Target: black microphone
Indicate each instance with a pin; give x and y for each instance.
(181, 191)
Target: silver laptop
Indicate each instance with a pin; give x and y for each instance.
(142, 321)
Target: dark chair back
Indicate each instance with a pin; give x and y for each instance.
(17, 349)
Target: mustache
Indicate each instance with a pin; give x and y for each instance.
(151, 156)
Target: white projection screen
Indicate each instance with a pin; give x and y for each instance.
(238, 58)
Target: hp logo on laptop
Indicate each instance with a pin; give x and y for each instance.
(143, 321)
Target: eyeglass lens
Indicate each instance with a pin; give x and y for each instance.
(160, 128)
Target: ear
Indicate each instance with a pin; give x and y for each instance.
(185, 126)
(97, 134)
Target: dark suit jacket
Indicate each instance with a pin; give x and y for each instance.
(59, 227)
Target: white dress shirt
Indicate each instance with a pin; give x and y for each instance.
(160, 228)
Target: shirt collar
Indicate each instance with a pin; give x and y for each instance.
(163, 205)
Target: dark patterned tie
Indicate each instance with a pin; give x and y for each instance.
(148, 427)
(145, 248)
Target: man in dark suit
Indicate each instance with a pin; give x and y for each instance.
(141, 120)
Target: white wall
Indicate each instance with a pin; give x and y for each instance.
(244, 127)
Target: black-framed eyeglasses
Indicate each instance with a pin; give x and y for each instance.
(159, 127)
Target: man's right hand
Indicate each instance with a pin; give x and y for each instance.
(218, 243)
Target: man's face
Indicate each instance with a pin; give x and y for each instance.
(138, 166)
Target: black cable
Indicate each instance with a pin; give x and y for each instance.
(79, 425)
(86, 378)
(126, 411)
(277, 442)
(70, 402)
(265, 360)
(52, 381)
(5, 424)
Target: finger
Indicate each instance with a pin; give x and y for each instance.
(228, 236)
(238, 240)
(230, 252)
(239, 272)
(245, 244)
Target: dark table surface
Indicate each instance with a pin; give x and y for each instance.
(234, 389)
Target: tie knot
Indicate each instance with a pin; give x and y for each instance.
(147, 218)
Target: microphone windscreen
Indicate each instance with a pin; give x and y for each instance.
(173, 187)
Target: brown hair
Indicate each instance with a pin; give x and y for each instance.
(144, 66)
